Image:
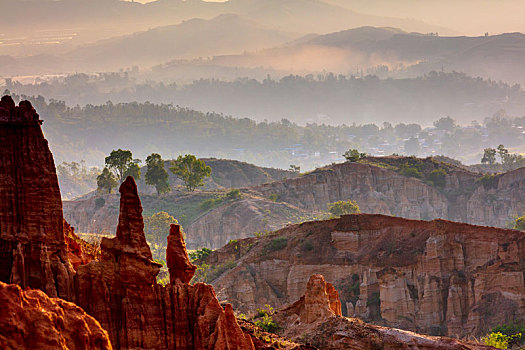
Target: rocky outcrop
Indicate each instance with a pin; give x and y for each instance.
(94, 214)
(265, 340)
(179, 265)
(321, 300)
(376, 190)
(33, 252)
(437, 277)
(498, 200)
(79, 251)
(377, 185)
(314, 319)
(241, 219)
(32, 320)
(121, 292)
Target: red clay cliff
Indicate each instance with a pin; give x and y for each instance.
(33, 252)
(177, 259)
(315, 319)
(120, 290)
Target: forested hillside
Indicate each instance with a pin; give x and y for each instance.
(325, 98)
(91, 132)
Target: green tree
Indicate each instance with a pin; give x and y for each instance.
(119, 161)
(503, 153)
(157, 228)
(438, 177)
(295, 168)
(510, 161)
(519, 224)
(191, 170)
(500, 340)
(106, 181)
(132, 170)
(199, 254)
(353, 155)
(156, 175)
(343, 207)
(489, 156)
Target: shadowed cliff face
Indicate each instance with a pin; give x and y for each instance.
(438, 277)
(32, 248)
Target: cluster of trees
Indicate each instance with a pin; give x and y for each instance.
(353, 155)
(339, 208)
(302, 97)
(508, 160)
(120, 164)
(98, 129)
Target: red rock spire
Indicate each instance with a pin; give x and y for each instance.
(33, 252)
(179, 265)
(130, 229)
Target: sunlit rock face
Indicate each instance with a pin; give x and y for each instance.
(33, 252)
(32, 320)
(121, 292)
(119, 289)
(434, 277)
(316, 318)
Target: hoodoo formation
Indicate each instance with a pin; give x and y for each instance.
(179, 265)
(429, 274)
(33, 252)
(119, 291)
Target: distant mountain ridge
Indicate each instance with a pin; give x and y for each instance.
(224, 34)
(60, 26)
(371, 50)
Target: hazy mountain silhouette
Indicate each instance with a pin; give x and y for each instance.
(74, 22)
(221, 35)
(393, 52)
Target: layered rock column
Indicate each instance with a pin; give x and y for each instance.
(321, 300)
(179, 265)
(33, 252)
(121, 292)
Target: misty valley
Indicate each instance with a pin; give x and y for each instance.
(262, 174)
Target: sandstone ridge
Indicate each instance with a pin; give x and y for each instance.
(435, 277)
(119, 290)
